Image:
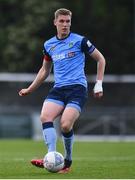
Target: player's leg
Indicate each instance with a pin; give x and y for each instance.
(76, 98)
(69, 116)
(50, 111)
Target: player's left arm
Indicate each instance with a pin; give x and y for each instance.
(98, 89)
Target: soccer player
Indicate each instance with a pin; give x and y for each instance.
(66, 52)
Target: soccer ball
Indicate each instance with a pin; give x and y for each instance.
(53, 161)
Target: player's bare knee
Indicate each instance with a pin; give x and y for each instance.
(45, 118)
(42, 118)
(65, 127)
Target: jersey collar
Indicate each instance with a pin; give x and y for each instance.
(63, 38)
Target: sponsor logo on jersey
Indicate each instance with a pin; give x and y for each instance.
(71, 54)
(52, 48)
(57, 57)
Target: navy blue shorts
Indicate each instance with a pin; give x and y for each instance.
(69, 96)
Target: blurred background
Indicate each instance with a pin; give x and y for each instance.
(108, 24)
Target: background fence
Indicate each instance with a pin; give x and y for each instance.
(113, 115)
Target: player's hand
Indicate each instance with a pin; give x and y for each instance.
(24, 92)
(98, 89)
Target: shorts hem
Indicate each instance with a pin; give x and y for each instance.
(74, 106)
(55, 101)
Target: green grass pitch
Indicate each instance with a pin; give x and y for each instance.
(91, 160)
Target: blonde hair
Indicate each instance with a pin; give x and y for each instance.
(62, 11)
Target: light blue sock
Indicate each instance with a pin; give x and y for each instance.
(68, 144)
(50, 136)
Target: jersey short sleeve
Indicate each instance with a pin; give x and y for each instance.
(87, 46)
(47, 57)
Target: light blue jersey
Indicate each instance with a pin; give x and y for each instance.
(68, 57)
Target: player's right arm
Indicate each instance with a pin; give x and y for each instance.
(41, 76)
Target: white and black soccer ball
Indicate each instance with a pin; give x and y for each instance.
(53, 161)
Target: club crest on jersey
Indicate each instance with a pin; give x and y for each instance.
(71, 44)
